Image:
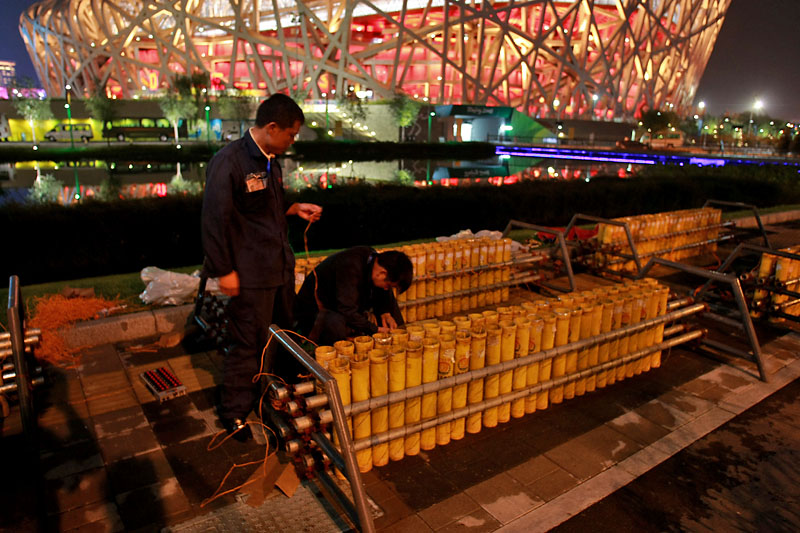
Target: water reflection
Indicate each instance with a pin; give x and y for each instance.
(139, 179)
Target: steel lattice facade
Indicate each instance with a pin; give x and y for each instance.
(570, 59)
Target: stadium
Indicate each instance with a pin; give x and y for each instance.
(580, 59)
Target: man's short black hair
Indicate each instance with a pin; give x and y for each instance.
(281, 110)
(398, 269)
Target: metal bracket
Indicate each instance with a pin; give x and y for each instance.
(22, 376)
(331, 388)
(562, 244)
(743, 206)
(634, 253)
(736, 289)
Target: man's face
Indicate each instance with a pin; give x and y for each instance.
(279, 139)
(380, 278)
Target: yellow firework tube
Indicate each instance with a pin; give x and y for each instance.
(413, 405)
(415, 332)
(458, 255)
(613, 347)
(477, 320)
(521, 347)
(483, 274)
(504, 313)
(460, 391)
(507, 349)
(324, 355)
(649, 335)
(571, 360)
(410, 313)
(345, 348)
(399, 336)
(583, 354)
(448, 327)
(432, 329)
(397, 410)
(765, 270)
(596, 325)
(532, 370)
(430, 371)
(430, 269)
(477, 359)
(363, 344)
(491, 386)
(625, 341)
(475, 262)
(546, 365)
(560, 361)
(663, 296)
(604, 349)
(444, 398)
(339, 369)
(491, 317)
(379, 386)
(359, 369)
(462, 322)
(782, 272)
(382, 339)
(638, 313)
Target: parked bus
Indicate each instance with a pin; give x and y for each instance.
(142, 128)
(664, 139)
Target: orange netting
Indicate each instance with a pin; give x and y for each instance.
(52, 312)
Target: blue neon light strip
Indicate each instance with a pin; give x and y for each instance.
(544, 152)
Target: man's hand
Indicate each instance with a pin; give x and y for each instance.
(229, 284)
(388, 321)
(310, 212)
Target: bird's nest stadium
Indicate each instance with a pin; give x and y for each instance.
(602, 59)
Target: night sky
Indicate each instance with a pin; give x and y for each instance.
(757, 56)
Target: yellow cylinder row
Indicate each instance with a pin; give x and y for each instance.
(660, 235)
(778, 271)
(443, 271)
(425, 352)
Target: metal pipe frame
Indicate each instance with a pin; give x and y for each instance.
(466, 377)
(685, 231)
(736, 289)
(562, 245)
(741, 205)
(331, 388)
(624, 225)
(465, 292)
(22, 377)
(741, 249)
(668, 250)
(428, 423)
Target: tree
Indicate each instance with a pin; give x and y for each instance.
(33, 110)
(354, 108)
(405, 111)
(655, 120)
(235, 107)
(175, 108)
(102, 108)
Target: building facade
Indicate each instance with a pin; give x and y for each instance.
(599, 59)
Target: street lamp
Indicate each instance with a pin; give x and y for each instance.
(757, 106)
(68, 107)
(208, 124)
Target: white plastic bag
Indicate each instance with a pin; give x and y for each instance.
(163, 287)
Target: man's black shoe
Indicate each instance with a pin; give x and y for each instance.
(238, 428)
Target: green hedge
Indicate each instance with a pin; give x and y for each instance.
(50, 243)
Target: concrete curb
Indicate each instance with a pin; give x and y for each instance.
(174, 319)
(127, 327)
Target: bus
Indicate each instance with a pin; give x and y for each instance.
(664, 139)
(142, 128)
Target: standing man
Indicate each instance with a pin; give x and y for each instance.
(246, 245)
(337, 298)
